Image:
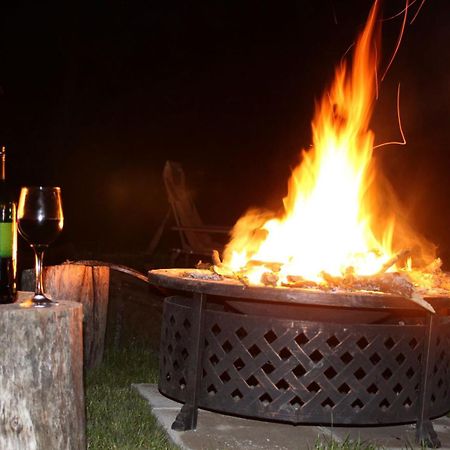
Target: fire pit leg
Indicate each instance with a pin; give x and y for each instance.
(425, 434)
(187, 417)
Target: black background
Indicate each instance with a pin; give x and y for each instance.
(97, 95)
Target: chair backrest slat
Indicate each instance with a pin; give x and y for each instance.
(184, 210)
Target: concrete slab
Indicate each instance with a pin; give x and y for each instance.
(217, 431)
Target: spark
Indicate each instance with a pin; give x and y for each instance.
(399, 40)
(346, 51)
(399, 125)
(387, 19)
(417, 12)
(376, 73)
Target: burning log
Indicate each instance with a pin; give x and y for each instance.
(223, 271)
(394, 260)
(269, 279)
(218, 268)
(393, 283)
(216, 258)
(389, 283)
(243, 279)
(203, 265)
(434, 267)
(299, 282)
(272, 266)
(331, 281)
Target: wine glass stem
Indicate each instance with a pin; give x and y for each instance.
(39, 257)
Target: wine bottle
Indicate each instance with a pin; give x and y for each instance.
(8, 237)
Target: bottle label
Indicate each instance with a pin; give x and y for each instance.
(6, 239)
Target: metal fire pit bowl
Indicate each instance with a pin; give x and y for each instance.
(303, 356)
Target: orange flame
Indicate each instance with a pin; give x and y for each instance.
(328, 225)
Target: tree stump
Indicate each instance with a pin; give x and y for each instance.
(41, 378)
(85, 284)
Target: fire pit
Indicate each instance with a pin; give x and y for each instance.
(373, 359)
(311, 315)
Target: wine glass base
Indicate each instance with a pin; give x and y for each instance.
(41, 301)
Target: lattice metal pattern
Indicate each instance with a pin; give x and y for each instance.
(303, 371)
(175, 349)
(440, 375)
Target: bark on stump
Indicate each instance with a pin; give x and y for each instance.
(85, 284)
(41, 378)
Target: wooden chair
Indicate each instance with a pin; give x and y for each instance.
(196, 239)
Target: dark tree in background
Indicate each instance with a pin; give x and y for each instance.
(97, 95)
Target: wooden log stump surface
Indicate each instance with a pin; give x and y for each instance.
(86, 284)
(41, 377)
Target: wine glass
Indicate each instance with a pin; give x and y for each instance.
(40, 220)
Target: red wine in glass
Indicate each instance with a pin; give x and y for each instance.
(40, 221)
(40, 232)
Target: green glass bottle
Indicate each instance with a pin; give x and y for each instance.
(8, 237)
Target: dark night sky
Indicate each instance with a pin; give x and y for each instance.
(97, 95)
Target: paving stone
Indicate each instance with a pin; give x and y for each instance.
(218, 431)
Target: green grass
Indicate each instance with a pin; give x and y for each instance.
(330, 444)
(117, 417)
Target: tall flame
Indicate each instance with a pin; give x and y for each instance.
(328, 220)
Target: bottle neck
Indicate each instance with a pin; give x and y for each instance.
(7, 196)
(3, 164)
